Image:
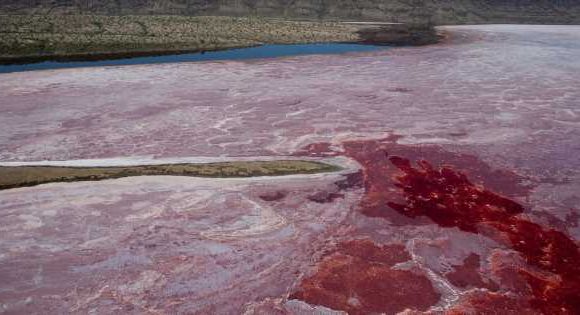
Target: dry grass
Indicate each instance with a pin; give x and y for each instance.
(62, 35)
(22, 176)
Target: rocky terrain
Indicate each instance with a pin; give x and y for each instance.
(437, 11)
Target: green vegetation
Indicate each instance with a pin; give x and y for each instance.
(37, 37)
(22, 176)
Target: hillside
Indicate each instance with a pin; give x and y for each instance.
(28, 38)
(439, 11)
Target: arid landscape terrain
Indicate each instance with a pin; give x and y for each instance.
(406, 11)
(453, 185)
(45, 37)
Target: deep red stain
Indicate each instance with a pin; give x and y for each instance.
(357, 277)
(449, 198)
(490, 303)
(386, 254)
(468, 275)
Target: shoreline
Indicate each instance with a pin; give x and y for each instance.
(103, 56)
(192, 36)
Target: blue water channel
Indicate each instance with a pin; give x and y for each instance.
(259, 52)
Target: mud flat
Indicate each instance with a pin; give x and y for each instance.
(461, 195)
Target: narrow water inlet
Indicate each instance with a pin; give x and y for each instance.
(258, 52)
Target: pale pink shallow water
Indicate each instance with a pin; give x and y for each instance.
(508, 95)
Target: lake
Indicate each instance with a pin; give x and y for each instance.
(259, 52)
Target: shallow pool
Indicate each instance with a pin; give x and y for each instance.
(266, 51)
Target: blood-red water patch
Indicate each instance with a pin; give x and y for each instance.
(358, 278)
(442, 190)
(448, 198)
